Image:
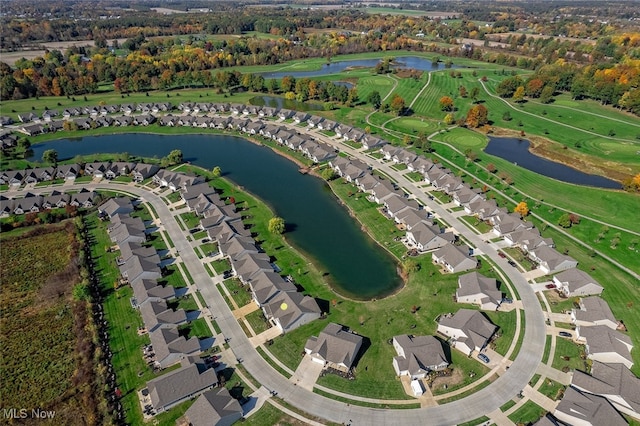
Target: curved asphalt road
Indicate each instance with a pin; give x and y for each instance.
(469, 408)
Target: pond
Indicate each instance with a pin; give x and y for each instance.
(320, 227)
(415, 62)
(517, 151)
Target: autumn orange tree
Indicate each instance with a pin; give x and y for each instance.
(477, 116)
(397, 104)
(522, 208)
(446, 103)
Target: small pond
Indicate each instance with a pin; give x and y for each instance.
(422, 64)
(517, 151)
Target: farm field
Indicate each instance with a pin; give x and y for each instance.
(46, 333)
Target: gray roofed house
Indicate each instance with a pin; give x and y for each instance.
(225, 231)
(289, 310)
(214, 215)
(411, 218)
(67, 171)
(144, 171)
(156, 314)
(550, 260)
(466, 195)
(427, 237)
(527, 239)
(578, 408)
(434, 173)
(170, 348)
(594, 311)
(454, 258)
(238, 247)
(509, 222)
(418, 355)
(128, 249)
(266, 284)
(113, 206)
(191, 379)
(397, 204)
(469, 330)
(96, 169)
(39, 174)
(613, 381)
(176, 180)
(194, 191)
(574, 282)
(382, 191)
(119, 168)
(336, 347)
(389, 151)
(125, 228)
(55, 200)
(250, 264)
(606, 345)
(214, 408)
(83, 198)
(479, 290)
(367, 182)
(150, 289)
(137, 268)
(482, 209)
(370, 142)
(204, 202)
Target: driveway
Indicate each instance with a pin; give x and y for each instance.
(307, 373)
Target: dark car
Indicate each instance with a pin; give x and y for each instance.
(507, 300)
(550, 286)
(501, 254)
(512, 263)
(484, 358)
(565, 334)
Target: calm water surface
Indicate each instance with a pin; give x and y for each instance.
(517, 151)
(321, 227)
(415, 62)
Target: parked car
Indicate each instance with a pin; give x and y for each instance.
(512, 263)
(507, 300)
(502, 255)
(484, 358)
(565, 334)
(550, 286)
(205, 240)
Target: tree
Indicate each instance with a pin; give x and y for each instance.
(477, 116)
(449, 119)
(174, 157)
(475, 91)
(216, 172)
(491, 168)
(463, 91)
(565, 221)
(446, 103)
(397, 104)
(328, 174)
(518, 95)
(276, 225)
(374, 99)
(522, 208)
(547, 94)
(50, 156)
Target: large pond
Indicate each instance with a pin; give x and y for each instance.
(517, 151)
(415, 62)
(320, 227)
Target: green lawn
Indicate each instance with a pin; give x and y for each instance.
(238, 291)
(568, 355)
(529, 413)
(191, 220)
(221, 265)
(257, 321)
(552, 389)
(173, 277)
